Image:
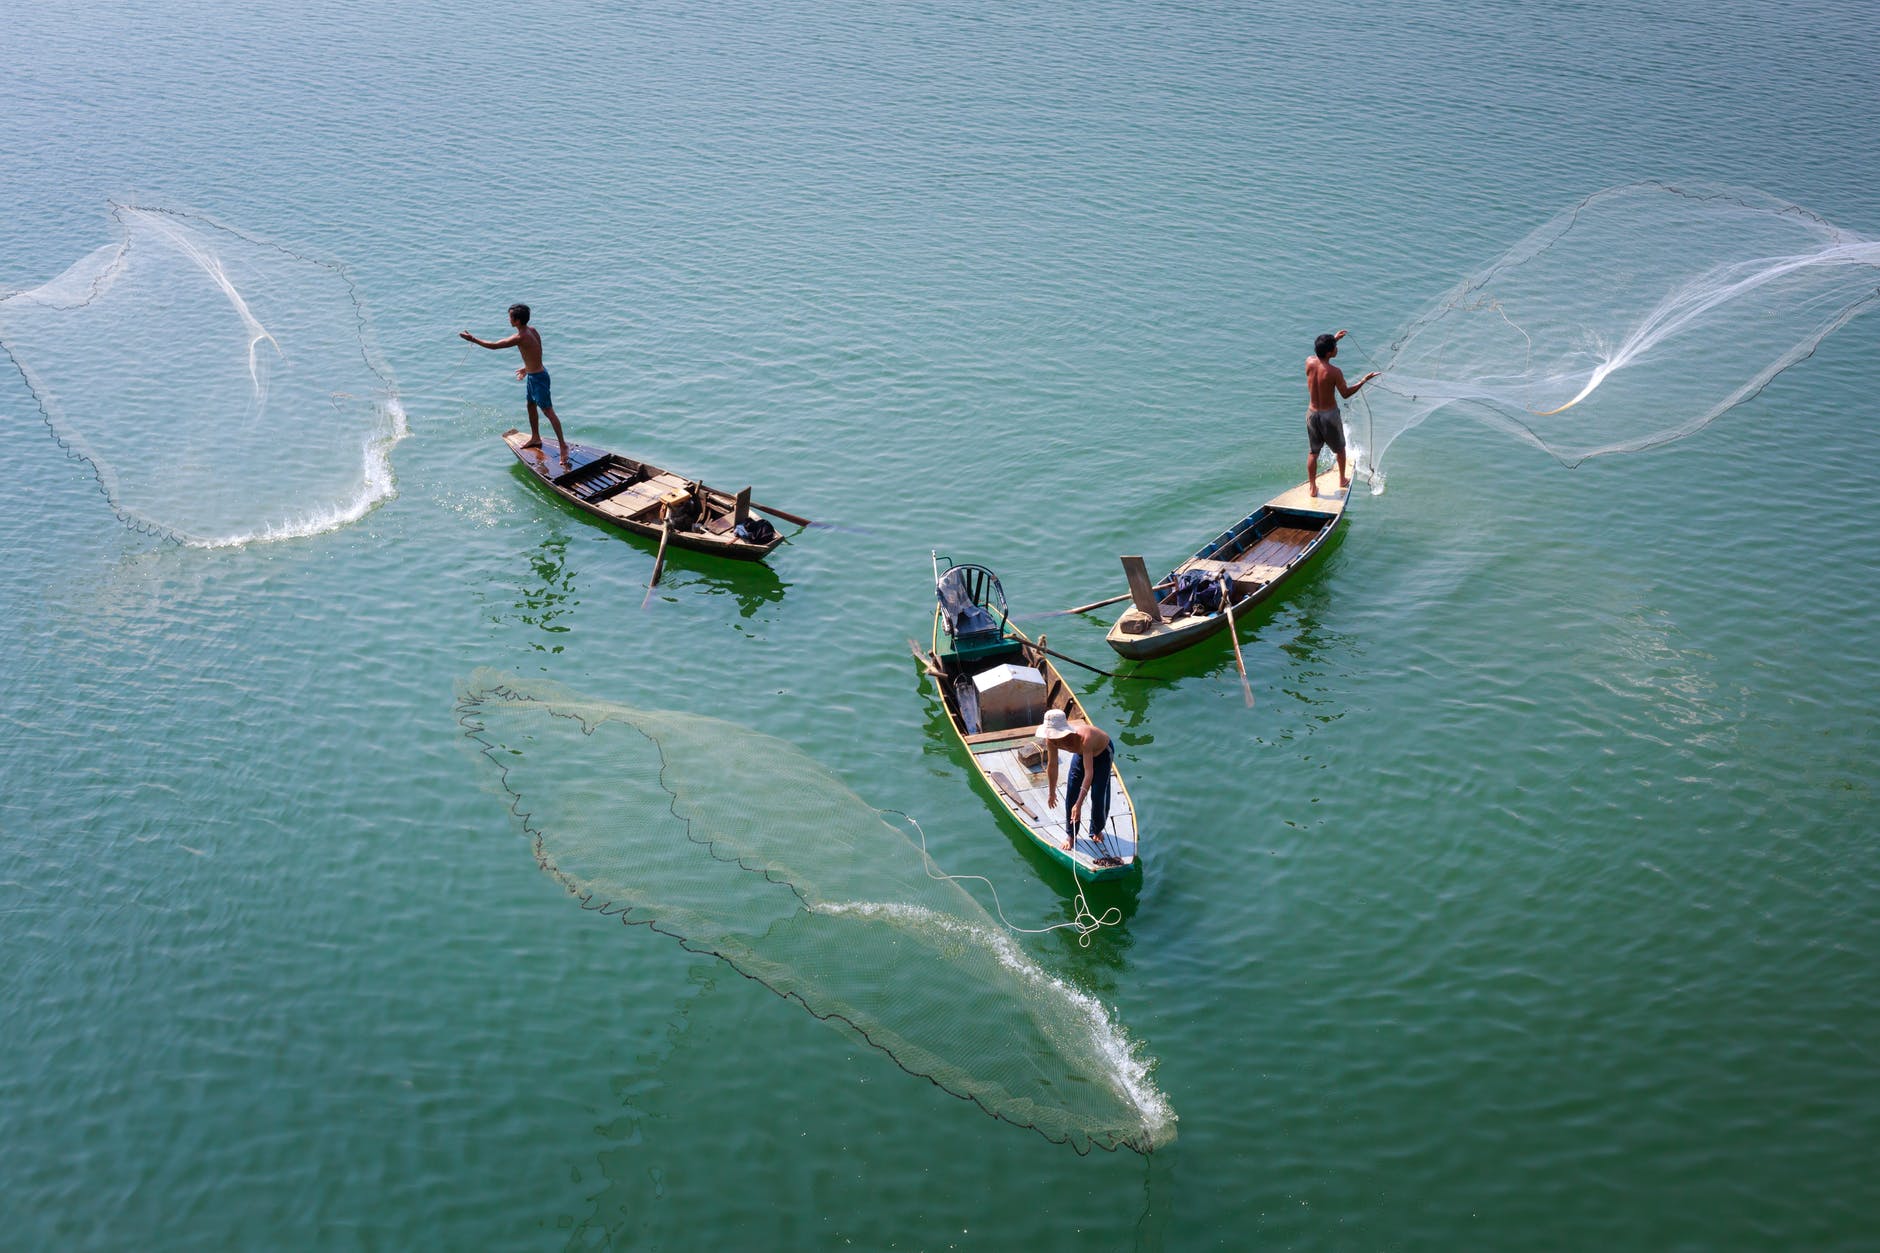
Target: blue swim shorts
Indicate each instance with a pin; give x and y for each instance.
(535, 389)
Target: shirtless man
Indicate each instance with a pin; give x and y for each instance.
(535, 379)
(1325, 385)
(1093, 761)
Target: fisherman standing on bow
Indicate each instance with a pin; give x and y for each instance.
(532, 373)
(1325, 425)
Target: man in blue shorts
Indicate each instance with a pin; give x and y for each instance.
(534, 378)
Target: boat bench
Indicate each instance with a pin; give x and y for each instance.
(1239, 571)
(634, 500)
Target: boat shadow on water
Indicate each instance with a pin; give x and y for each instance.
(753, 584)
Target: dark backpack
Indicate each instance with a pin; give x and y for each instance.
(756, 531)
(1196, 592)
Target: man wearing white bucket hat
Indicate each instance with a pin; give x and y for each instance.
(1090, 770)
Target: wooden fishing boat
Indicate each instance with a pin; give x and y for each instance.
(647, 500)
(1254, 556)
(996, 685)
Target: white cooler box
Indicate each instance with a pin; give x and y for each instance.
(1010, 696)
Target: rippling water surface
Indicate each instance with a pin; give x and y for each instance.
(1532, 905)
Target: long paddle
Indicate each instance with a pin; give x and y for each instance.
(1095, 604)
(788, 517)
(659, 562)
(1227, 607)
(1108, 674)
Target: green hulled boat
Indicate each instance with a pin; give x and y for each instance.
(996, 685)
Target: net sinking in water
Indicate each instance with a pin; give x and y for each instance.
(739, 846)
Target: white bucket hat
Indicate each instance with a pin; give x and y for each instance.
(1055, 725)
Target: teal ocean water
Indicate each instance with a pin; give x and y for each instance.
(1532, 905)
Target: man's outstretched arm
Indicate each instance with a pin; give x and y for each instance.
(1348, 390)
(511, 342)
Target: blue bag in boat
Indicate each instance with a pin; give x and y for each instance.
(1196, 592)
(756, 531)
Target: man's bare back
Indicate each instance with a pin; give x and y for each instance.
(1323, 383)
(1325, 386)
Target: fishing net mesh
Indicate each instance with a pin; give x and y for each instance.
(224, 388)
(740, 846)
(1637, 317)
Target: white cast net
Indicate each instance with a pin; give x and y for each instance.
(738, 845)
(223, 388)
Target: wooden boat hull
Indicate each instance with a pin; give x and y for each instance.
(626, 493)
(1257, 554)
(1019, 789)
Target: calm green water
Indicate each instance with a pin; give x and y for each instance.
(1532, 906)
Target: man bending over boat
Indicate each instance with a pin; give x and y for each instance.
(1092, 763)
(534, 378)
(1325, 425)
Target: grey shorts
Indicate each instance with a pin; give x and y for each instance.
(1325, 428)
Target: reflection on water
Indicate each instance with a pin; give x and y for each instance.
(549, 595)
(752, 584)
(1308, 650)
(617, 1206)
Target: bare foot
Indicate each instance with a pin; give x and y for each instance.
(1343, 484)
(1070, 844)
(534, 443)
(1310, 491)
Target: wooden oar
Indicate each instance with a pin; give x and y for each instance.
(787, 517)
(1095, 604)
(1227, 607)
(1108, 674)
(659, 562)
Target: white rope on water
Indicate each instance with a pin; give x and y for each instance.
(1085, 923)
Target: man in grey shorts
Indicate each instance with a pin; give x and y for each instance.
(1325, 425)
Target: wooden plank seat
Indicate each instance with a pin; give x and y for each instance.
(1011, 733)
(633, 499)
(1242, 571)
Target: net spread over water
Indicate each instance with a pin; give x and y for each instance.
(224, 389)
(1635, 318)
(739, 846)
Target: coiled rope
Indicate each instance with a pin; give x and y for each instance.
(1083, 921)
